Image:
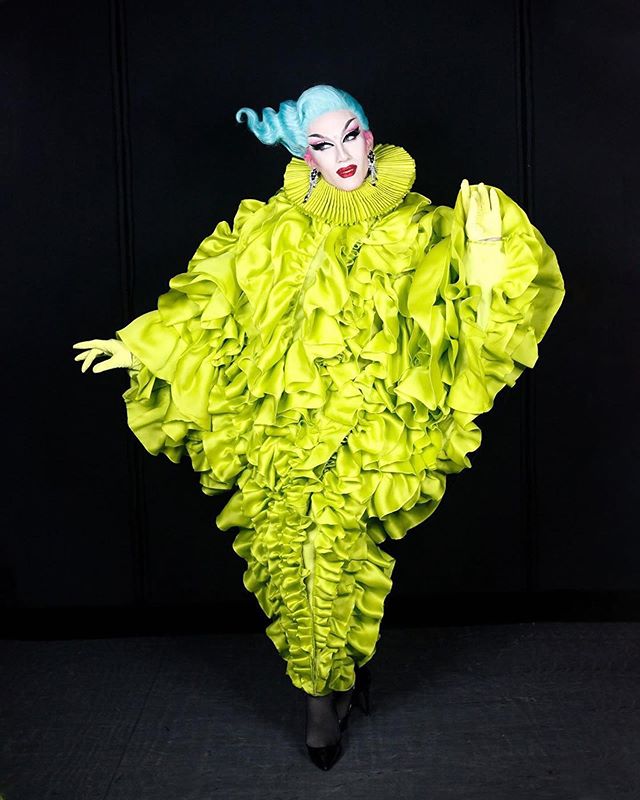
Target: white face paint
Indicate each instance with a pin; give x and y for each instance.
(338, 148)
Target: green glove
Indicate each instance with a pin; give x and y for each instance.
(481, 207)
(484, 260)
(120, 355)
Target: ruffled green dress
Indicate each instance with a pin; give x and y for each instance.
(325, 360)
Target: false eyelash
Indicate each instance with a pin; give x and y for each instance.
(319, 146)
(354, 133)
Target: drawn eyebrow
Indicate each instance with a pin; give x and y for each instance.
(346, 125)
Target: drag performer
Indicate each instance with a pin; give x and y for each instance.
(325, 357)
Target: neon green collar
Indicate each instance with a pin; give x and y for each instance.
(396, 173)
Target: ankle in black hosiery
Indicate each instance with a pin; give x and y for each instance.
(321, 720)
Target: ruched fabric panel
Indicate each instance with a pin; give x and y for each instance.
(330, 373)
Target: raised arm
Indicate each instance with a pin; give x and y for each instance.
(484, 260)
(485, 292)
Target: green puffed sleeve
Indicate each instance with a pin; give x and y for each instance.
(470, 361)
(186, 347)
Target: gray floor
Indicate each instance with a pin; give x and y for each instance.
(503, 711)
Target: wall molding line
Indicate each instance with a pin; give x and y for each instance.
(528, 415)
(138, 519)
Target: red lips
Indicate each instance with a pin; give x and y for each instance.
(347, 172)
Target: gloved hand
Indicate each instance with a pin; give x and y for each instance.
(484, 259)
(120, 355)
(481, 208)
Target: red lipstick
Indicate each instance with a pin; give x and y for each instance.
(347, 172)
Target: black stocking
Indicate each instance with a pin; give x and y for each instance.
(322, 721)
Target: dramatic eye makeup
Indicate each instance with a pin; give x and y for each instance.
(349, 137)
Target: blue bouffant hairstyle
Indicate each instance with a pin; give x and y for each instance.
(288, 125)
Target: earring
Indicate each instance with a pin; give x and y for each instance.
(314, 177)
(372, 167)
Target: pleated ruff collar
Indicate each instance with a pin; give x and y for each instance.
(396, 172)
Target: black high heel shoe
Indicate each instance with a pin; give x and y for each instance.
(326, 756)
(360, 695)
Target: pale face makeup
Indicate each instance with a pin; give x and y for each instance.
(338, 148)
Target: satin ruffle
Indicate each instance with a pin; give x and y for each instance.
(331, 373)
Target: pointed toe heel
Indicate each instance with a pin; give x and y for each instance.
(325, 757)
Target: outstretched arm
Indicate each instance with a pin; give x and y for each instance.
(180, 358)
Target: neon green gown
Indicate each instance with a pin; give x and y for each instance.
(326, 361)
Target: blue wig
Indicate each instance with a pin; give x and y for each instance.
(288, 126)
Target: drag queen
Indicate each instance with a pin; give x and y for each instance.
(325, 357)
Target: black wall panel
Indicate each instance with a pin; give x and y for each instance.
(124, 154)
(586, 79)
(67, 527)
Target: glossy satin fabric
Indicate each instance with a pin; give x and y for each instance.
(326, 362)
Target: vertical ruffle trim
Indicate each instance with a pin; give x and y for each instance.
(316, 574)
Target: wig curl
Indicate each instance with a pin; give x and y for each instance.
(288, 125)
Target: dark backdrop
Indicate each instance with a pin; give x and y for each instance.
(122, 154)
